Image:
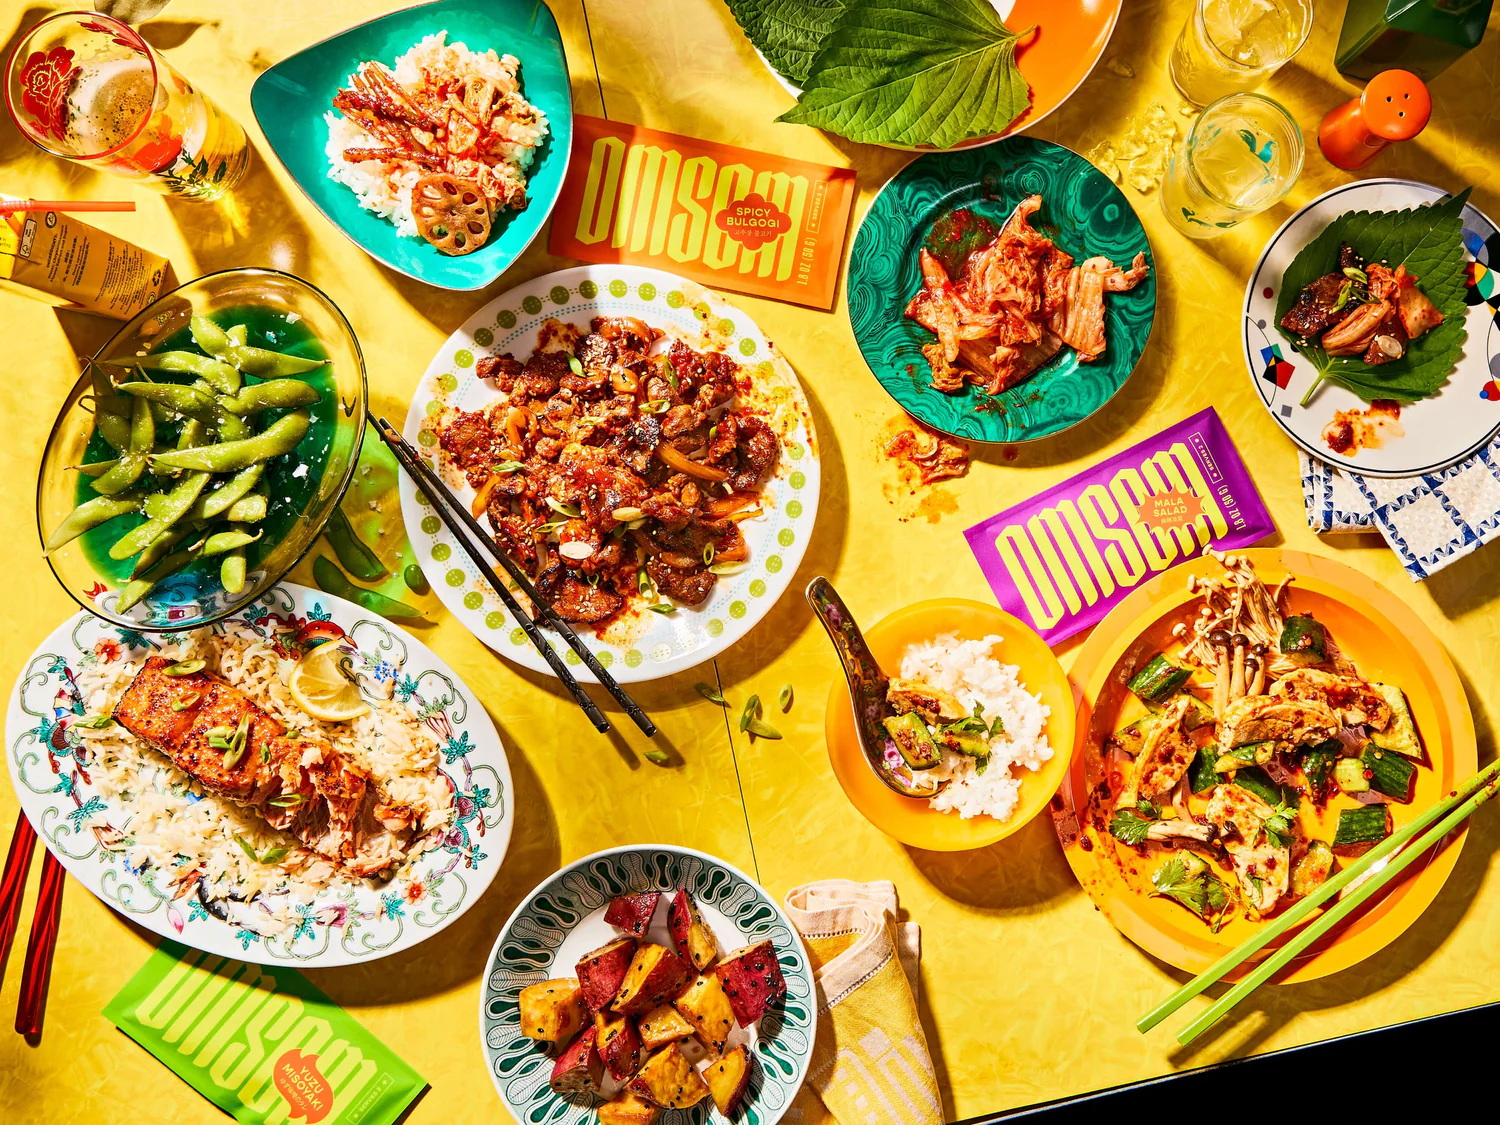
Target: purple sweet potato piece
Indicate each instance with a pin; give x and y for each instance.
(752, 980)
(601, 972)
(579, 1069)
(632, 913)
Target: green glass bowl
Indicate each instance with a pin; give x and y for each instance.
(1083, 212)
(283, 312)
(290, 99)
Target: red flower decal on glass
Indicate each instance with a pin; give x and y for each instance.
(126, 37)
(156, 154)
(44, 89)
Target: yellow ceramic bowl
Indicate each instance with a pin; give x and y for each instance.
(1387, 642)
(911, 820)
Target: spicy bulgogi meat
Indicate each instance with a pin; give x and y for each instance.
(609, 472)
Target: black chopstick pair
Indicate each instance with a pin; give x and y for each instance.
(453, 513)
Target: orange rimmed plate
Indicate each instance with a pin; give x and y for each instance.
(1069, 42)
(911, 820)
(1385, 639)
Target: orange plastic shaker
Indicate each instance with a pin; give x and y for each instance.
(1395, 106)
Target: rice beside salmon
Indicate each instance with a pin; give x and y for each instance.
(308, 805)
(383, 140)
(967, 671)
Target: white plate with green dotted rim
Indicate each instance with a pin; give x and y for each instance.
(643, 646)
(563, 918)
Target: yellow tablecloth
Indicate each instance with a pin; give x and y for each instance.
(1026, 992)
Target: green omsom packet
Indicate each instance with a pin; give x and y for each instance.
(260, 1042)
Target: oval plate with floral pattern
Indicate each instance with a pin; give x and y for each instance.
(1082, 211)
(637, 645)
(344, 923)
(563, 918)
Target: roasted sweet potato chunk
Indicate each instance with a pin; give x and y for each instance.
(553, 1010)
(695, 942)
(662, 1025)
(619, 1045)
(707, 1008)
(656, 976)
(752, 980)
(632, 913)
(628, 1109)
(669, 1080)
(578, 1070)
(728, 1078)
(603, 971)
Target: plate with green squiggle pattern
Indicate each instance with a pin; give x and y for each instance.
(563, 919)
(1082, 211)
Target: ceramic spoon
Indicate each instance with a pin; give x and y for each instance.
(867, 685)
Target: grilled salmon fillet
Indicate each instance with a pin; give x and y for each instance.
(322, 798)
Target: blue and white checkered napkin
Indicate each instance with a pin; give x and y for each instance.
(1429, 520)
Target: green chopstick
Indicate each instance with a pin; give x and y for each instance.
(1322, 894)
(1336, 914)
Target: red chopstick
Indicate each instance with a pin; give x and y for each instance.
(13, 884)
(9, 206)
(36, 973)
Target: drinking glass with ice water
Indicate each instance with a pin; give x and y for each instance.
(1243, 155)
(88, 88)
(1228, 46)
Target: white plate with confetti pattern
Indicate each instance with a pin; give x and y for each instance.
(639, 645)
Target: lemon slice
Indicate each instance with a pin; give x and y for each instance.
(318, 686)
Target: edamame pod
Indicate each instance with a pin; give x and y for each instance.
(87, 516)
(187, 401)
(237, 335)
(268, 364)
(138, 588)
(126, 472)
(221, 375)
(209, 336)
(194, 433)
(280, 437)
(230, 427)
(142, 426)
(247, 509)
(271, 395)
(237, 486)
(331, 580)
(112, 420)
(232, 571)
(222, 542)
(415, 579)
(96, 468)
(176, 505)
(157, 550)
(354, 553)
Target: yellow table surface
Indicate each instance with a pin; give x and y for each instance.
(1027, 992)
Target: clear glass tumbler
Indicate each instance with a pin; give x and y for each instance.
(1244, 154)
(88, 88)
(1230, 46)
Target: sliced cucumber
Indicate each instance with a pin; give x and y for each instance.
(1310, 872)
(1349, 775)
(1388, 771)
(1132, 738)
(1303, 640)
(1258, 781)
(1158, 679)
(1401, 734)
(1361, 827)
(1317, 766)
(1201, 774)
(1250, 754)
(914, 740)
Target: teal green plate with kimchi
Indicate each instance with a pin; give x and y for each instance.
(952, 202)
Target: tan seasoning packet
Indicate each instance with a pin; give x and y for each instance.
(58, 258)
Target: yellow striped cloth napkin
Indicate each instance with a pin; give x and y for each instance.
(870, 1064)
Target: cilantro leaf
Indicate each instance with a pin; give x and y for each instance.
(1147, 809)
(915, 72)
(1428, 241)
(1278, 825)
(1129, 827)
(788, 32)
(1202, 893)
